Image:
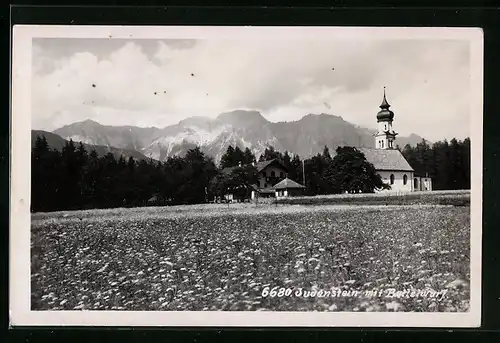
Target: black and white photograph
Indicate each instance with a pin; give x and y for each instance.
(246, 176)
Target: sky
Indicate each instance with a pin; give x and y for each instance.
(160, 82)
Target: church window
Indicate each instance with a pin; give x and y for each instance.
(385, 127)
(382, 144)
(415, 183)
(272, 174)
(392, 179)
(405, 179)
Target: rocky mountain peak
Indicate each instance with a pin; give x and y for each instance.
(242, 118)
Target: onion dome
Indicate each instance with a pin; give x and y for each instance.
(385, 114)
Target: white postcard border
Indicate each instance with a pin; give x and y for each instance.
(20, 177)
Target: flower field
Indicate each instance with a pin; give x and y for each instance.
(245, 257)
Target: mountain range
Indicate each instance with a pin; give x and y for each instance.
(243, 128)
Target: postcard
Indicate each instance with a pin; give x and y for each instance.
(246, 176)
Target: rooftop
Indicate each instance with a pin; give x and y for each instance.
(264, 164)
(386, 159)
(287, 184)
(259, 165)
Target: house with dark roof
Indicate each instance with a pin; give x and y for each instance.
(389, 162)
(269, 172)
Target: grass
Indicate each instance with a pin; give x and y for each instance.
(454, 198)
(211, 257)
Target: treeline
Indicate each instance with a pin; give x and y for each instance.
(447, 163)
(74, 178)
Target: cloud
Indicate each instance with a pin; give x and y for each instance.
(158, 83)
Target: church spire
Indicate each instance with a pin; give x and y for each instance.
(385, 105)
(385, 114)
(385, 136)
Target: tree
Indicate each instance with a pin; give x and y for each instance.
(460, 168)
(70, 177)
(227, 160)
(92, 181)
(174, 175)
(242, 179)
(235, 156)
(443, 166)
(249, 157)
(81, 165)
(287, 162)
(295, 172)
(218, 185)
(238, 182)
(41, 147)
(326, 154)
(238, 156)
(350, 172)
(270, 154)
(199, 170)
(315, 168)
(41, 175)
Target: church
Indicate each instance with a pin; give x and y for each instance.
(388, 161)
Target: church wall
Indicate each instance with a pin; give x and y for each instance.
(398, 185)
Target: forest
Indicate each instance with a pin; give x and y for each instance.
(75, 178)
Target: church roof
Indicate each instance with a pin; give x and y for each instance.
(386, 159)
(287, 184)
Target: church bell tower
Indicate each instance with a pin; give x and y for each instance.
(385, 136)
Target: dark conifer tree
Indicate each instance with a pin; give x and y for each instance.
(227, 160)
(269, 154)
(249, 157)
(238, 157)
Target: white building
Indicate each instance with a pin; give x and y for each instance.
(390, 162)
(288, 188)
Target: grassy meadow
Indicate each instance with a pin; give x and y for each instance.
(222, 257)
